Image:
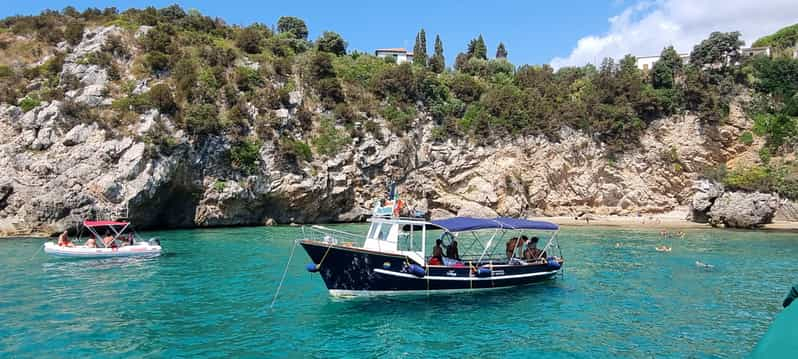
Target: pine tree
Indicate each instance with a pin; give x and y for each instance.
(477, 49)
(501, 52)
(437, 63)
(420, 49)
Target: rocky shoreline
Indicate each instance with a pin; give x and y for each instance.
(57, 168)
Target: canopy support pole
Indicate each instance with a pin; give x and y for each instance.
(548, 244)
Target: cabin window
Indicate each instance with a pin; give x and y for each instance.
(379, 232)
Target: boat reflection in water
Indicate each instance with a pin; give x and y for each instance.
(394, 257)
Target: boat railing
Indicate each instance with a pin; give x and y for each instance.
(330, 235)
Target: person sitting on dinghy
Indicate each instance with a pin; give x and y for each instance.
(437, 253)
(91, 242)
(63, 240)
(108, 240)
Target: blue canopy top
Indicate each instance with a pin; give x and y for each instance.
(463, 224)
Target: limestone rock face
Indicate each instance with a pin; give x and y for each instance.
(93, 78)
(706, 192)
(56, 170)
(743, 210)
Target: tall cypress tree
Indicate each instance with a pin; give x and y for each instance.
(501, 52)
(420, 49)
(437, 63)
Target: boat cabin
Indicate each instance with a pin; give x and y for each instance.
(480, 240)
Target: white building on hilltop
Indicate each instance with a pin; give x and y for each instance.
(646, 63)
(399, 53)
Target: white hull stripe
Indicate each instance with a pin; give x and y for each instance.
(367, 293)
(499, 277)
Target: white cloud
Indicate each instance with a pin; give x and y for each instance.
(645, 27)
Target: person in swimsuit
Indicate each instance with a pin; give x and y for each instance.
(513, 245)
(532, 252)
(452, 251)
(108, 240)
(91, 242)
(63, 240)
(437, 253)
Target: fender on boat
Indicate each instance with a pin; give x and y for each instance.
(553, 263)
(416, 270)
(312, 267)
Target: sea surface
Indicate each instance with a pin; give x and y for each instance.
(209, 295)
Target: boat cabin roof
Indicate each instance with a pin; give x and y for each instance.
(93, 224)
(468, 224)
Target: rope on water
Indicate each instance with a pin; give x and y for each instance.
(37, 252)
(285, 272)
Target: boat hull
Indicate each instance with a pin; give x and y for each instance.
(137, 250)
(355, 271)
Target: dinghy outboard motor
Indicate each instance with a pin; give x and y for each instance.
(154, 242)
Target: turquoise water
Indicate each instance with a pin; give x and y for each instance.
(209, 296)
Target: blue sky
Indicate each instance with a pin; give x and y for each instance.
(532, 33)
(558, 32)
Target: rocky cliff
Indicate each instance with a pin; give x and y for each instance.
(57, 167)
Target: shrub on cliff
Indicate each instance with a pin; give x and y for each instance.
(161, 97)
(293, 26)
(251, 38)
(330, 139)
(201, 119)
(295, 150)
(331, 42)
(73, 33)
(465, 87)
(156, 62)
(28, 103)
(396, 82)
(246, 154)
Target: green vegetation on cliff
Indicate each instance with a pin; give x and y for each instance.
(217, 79)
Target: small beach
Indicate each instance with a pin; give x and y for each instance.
(670, 220)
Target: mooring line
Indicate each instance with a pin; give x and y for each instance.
(37, 252)
(285, 272)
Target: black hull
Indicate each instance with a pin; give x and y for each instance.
(355, 271)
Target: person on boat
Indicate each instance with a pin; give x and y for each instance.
(514, 244)
(452, 251)
(437, 253)
(532, 252)
(91, 242)
(108, 240)
(63, 240)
